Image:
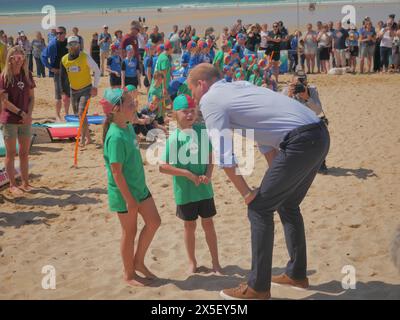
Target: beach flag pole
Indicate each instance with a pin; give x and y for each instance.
(79, 133)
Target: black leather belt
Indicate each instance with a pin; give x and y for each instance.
(304, 128)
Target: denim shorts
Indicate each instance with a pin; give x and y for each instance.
(60, 86)
(79, 99)
(11, 131)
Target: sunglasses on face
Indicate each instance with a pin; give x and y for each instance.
(60, 33)
(18, 57)
(73, 44)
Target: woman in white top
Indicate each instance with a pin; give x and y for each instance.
(324, 41)
(310, 48)
(386, 36)
(264, 36)
(225, 35)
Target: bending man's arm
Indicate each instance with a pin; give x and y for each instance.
(220, 134)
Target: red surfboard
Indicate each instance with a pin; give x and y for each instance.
(63, 133)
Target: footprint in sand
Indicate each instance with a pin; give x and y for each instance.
(159, 253)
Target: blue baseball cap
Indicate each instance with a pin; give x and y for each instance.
(241, 36)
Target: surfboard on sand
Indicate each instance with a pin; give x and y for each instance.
(95, 119)
(48, 132)
(4, 176)
(3, 146)
(4, 179)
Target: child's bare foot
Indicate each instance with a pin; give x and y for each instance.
(193, 268)
(136, 281)
(16, 192)
(27, 188)
(144, 271)
(218, 270)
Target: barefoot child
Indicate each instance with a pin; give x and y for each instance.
(130, 69)
(148, 119)
(157, 90)
(128, 194)
(192, 178)
(114, 66)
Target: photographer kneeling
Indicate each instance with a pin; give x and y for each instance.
(308, 95)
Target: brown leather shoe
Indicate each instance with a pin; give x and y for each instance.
(244, 292)
(284, 279)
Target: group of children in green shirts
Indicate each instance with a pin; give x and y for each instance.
(187, 157)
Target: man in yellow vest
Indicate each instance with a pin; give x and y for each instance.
(78, 66)
(3, 55)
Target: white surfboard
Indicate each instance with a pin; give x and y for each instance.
(4, 179)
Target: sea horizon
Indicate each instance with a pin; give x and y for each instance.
(32, 8)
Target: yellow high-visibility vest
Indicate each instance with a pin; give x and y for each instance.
(3, 48)
(78, 71)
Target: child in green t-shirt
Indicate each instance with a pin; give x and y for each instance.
(218, 61)
(158, 90)
(128, 194)
(256, 77)
(188, 158)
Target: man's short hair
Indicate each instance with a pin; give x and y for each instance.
(62, 28)
(204, 71)
(136, 25)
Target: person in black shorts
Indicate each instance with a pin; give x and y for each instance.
(51, 57)
(274, 44)
(114, 66)
(130, 69)
(193, 191)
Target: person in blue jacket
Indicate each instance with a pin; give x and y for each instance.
(114, 66)
(194, 55)
(185, 59)
(130, 71)
(51, 58)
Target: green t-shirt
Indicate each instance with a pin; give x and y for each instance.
(163, 63)
(155, 91)
(158, 92)
(120, 146)
(219, 60)
(256, 80)
(248, 74)
(184, 89)
(190, 150)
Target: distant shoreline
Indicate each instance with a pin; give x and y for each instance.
(201, 18)
(198, 6)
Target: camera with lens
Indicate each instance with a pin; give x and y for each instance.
(299, 88)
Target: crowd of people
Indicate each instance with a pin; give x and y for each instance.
(328, 45)
(162, 62)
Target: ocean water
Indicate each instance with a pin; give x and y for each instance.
(30, 7)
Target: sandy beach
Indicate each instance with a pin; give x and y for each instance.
(350, 215)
